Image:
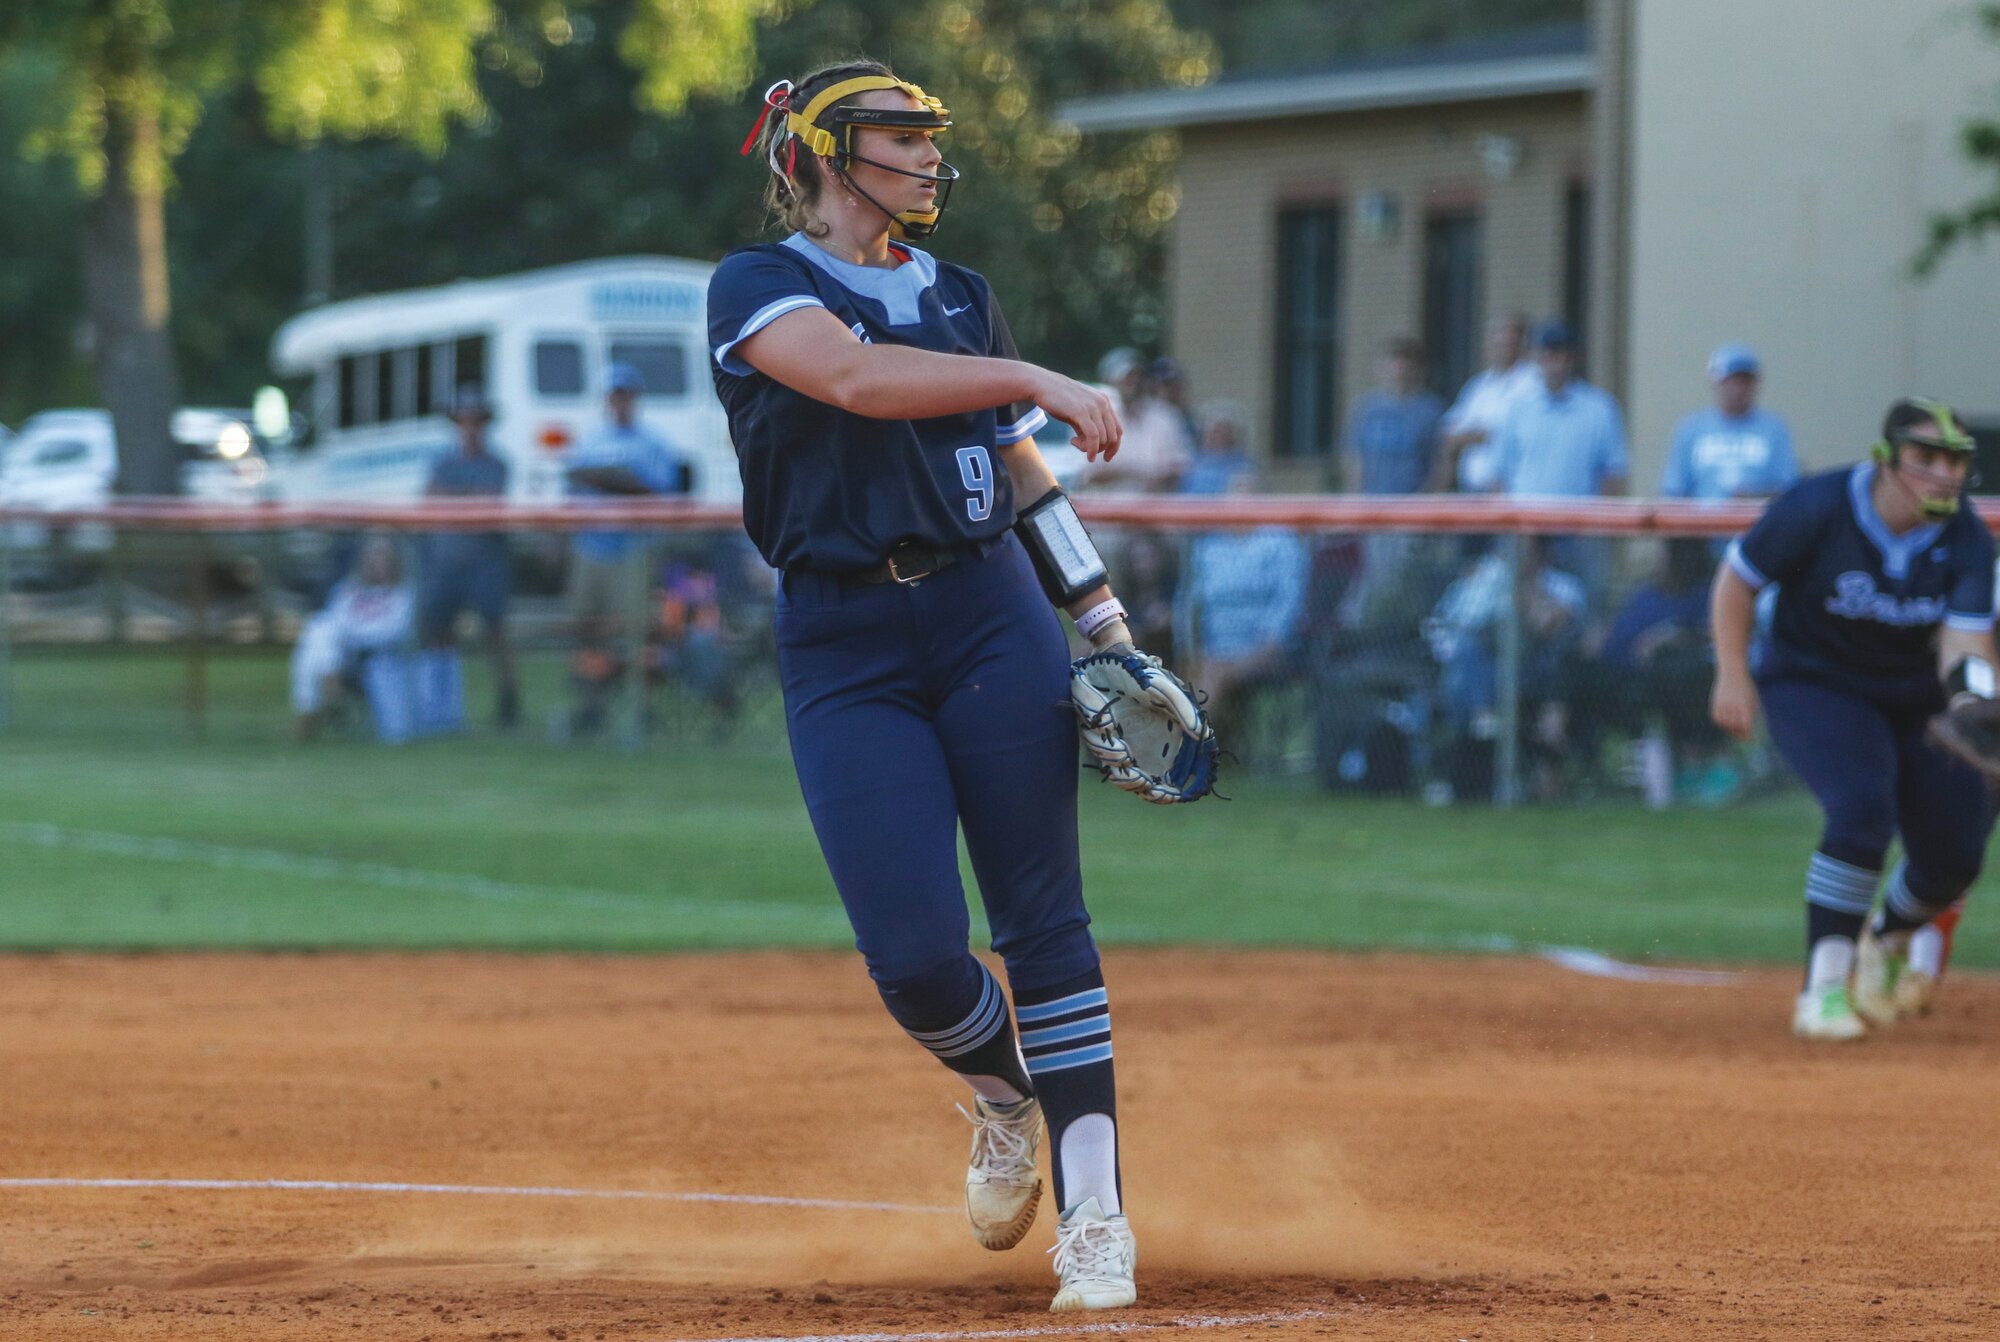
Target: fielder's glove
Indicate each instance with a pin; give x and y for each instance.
(1970, 729)
(1142, 725)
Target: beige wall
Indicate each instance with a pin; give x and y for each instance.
(1235, 179)
(1785, 155)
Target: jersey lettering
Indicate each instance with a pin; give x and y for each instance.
(1856, 598)
(975, 467)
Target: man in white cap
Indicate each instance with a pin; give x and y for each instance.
(1733, 449)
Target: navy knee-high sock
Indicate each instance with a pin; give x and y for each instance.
(1066, 1039)
(957, 1011)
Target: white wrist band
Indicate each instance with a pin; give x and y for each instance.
(1099, 615)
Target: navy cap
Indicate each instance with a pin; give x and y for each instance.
(470, 400)
(623, 377)
(1553, 333)
(1730, 360)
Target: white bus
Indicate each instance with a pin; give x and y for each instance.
(381, 371)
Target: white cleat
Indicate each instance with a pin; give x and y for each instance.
(1881, 959)
(1002, 1185)
(1095, 1259)
(1826, 1015)
(1916, 992)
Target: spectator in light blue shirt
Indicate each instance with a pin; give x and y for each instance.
(1240, 604)
(1562, 436)
(1392, 432)
(622, 459)
(1733, 449)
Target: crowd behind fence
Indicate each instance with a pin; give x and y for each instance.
(1445, 647)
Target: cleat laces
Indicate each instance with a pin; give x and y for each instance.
(1089, 1250)
(1000, 1149)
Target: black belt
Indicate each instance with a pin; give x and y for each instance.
(910, 563)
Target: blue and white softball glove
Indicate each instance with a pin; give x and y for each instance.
(1143, 726)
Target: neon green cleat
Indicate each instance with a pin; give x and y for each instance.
(1826, 1015)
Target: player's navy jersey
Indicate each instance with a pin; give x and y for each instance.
(834, 491)
(1858, 604)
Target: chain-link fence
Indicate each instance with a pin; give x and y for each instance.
(1451, 650)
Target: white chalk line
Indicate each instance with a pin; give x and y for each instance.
(384, 876)
(1185, 1322)
(478, 1191)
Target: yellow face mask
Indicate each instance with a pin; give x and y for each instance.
(828, 131)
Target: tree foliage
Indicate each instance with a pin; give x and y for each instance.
(1298, 34)
(1980, 142)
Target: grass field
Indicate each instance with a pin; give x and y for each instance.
(117, 830)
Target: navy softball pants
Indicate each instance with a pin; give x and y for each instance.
(914, 711)
(1875, 777)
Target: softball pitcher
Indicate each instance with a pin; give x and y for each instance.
(883, 422)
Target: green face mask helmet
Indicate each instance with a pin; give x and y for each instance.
(1923, 422)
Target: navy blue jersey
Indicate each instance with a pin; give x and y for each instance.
(1858, 604)
(832, 491)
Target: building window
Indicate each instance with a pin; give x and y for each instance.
(1308, 330)
(1576, 263)
(1453, 246)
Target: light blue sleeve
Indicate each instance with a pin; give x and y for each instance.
(1291, 565)
(1784, 461)
(1507, 448)
(1611, 460)
(659, 466)
(1677, 481)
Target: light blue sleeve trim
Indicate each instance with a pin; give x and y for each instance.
(1744, 569)
(762, 318)
(1024, 427)
(1968, 624)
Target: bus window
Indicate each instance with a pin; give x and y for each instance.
(385, 386)
(426, 380)
(361, 386)
(558, 368)
(404, 403)
(661, 363)
(349, 393)
(469, 362)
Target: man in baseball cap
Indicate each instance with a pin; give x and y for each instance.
(1731, 449)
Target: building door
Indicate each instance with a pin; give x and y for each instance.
(1308, 307)
(1452, 254)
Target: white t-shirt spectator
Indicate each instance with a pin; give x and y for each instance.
(1155, 450)
(1484, 404)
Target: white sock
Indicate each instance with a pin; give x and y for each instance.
(1927, 950)
(1832, 960)
(993, 1090)
(1090, 1163)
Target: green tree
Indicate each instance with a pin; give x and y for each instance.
(134, 77)
(1980, 142)
(569, 161)
(1254, 35)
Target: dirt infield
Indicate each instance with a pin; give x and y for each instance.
(1316, 1146)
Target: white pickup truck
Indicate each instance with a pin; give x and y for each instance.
(65, 459)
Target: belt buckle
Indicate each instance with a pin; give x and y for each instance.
(896, 574)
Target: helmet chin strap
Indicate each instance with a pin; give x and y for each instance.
(1931, 510)
(910, 225)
